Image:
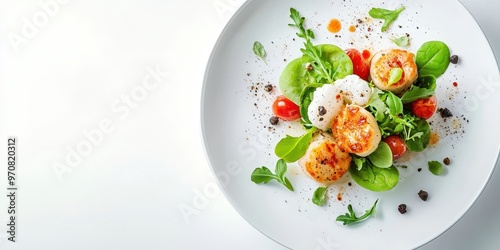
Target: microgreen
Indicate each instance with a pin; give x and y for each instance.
(350, 217)
(291, 148)
(402, 41)
(389, 16)
(319, 196)
(259, 51)
(435, 167)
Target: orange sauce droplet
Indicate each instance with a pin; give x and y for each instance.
(352, 28)
(334, 26)
(434, 138)
(366, 54)
(339, 196)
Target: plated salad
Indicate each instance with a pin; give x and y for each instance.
(360, 110)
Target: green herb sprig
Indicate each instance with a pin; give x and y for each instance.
(319, 196)
(259, 51)
(389, 16)
(350, 217)
(264, 175)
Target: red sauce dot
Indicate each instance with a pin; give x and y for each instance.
(366, 54)
(455, 84)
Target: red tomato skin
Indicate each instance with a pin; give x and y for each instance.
(397, 146)
(361, 67)
(424, 108)
(286, 109)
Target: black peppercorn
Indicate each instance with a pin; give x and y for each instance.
(454, 59)
(423, 195)
(402, 208)
(274, 120)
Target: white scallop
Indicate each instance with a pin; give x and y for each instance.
(354, 90)
(327, 96)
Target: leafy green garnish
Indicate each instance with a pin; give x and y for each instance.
(305, 100)
(350, 217)
(394, 76)
(319, 196)
(416, 93)
(292, 148)
(389, 16)
(433, 58)
(259, 51)
(418, 138)
(264, 175)
(373, 178)
(382, 156)
(402, 41)
(435, 167)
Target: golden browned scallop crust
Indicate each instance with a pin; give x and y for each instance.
(356, 131)
(384, 61)
(324, 161)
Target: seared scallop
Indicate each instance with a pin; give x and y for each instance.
(324, 161)
(382, 64)
(356, 131)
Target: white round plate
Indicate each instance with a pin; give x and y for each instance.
(238, 137)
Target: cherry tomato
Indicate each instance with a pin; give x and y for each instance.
(424, 108)
(397, 145)
(361, 67)
(286, 109)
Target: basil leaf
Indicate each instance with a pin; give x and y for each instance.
(382, 156)
(394, 76)
(433, 58)
(319, 196)
(292, 148)
(394, 104)
(435, 167)
(426, 82)
(389, 16)
(258, 50)
(374, 178)
(305, 100)
(419, 137)
(416, 93)
(402, 41)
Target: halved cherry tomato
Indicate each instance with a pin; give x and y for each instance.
(424, 108)
(396, 144)
(285, 109)
(361, 67)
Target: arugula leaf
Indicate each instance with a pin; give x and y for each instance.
(418, 138)
(416, 93)
(402, 41)
(394, 76)
(324, 69)
(292, 148)
(350, 217)
(389, 16)
(319, 196)
(435, 167)
(259, 51)
(264, 175)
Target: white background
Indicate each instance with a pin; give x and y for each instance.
(75, 76)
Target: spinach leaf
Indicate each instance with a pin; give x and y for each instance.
(294, 79)
(264, 175)
(394, 104)
(435, 167)
(402, 41)
(305, 100)
(416, 93)
(292, 148)
(433, 58)
(426, 82)
(319, 196)
(374, 178)
(382, 156)
(350, 217)
(389, 16)
(259, 51)
(418, 138)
